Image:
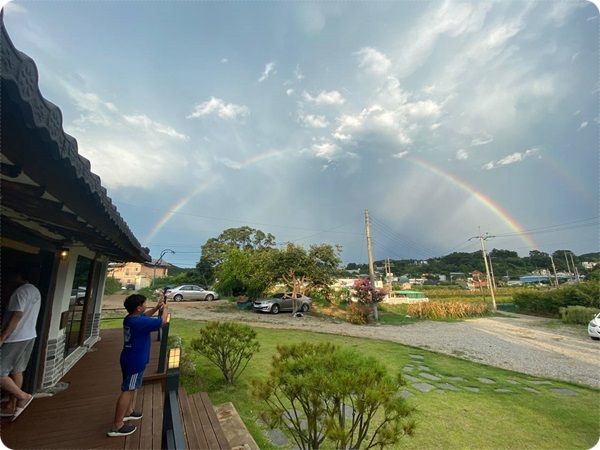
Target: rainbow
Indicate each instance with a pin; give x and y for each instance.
(180, 203)
(482, 198)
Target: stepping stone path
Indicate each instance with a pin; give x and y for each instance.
(448, 387)
(564, 391)
(424, 368)
(486, 381)
(503, 390)
(429, 376)
(423, 387)
(348, 411)
(512, 382)
(408, 368)
(406, 394)
(419, 357)
(411, 378)
(532, 390)
(471, 389)
(539, 382)
(277, 437)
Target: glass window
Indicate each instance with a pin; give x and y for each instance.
(80, 295)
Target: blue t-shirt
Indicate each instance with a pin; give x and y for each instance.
(136, 348)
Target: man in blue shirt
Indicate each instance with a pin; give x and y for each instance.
(137, 327)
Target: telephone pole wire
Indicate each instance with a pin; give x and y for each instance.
(483, 238)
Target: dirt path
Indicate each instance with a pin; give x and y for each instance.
(521, 343)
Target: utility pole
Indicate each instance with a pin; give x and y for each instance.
(482, 238)
(492, 272)
(371, 268)
(568, 267)
(554, 269)
(159, 260)
(575, 270)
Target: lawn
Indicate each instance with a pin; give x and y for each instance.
(446, 419)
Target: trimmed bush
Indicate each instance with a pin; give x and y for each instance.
(229, 346)
(319, 392)
(549, 302)
(447, 310)
(577, 314)
(111, 286)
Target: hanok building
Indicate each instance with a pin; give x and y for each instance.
(58, 224)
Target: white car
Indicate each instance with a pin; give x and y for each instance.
(191, 292)
(594, 328)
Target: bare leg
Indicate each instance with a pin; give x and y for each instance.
(123, 404)
(132, 402)
(18, 379)
(11, 387)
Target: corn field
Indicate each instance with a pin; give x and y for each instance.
(447, 310)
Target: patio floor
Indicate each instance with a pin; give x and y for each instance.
(80, 416)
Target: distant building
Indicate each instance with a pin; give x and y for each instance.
(477, 280)
(589, 265)
(138, 274)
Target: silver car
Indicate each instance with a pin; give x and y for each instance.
(282, 302)
(191, 292)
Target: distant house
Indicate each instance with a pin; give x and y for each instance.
(138, 274)
(589, 265)
(477, 280)
(58, 224)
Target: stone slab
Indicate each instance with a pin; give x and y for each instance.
(512, 382)
(423, 387)
(538, 382)
(424, 369)
(532, 390)
(411, 378)
(486, 381)
(448, 387)
(456, 378)
(503, 390)
(418, 357)
(471, 389)
(233, 427)
(406, 394)
(408, 368)
(564, 391)
(429, 376)
(277, 437)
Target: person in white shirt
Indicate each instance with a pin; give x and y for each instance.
(16, 343)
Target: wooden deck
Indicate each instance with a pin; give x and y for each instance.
(80, 416)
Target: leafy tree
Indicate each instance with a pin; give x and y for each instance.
(245, 272)
(111, 286)
(229, 346)
(320, 392)
(243, 238)
(302, 269)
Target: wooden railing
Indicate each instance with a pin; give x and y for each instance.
(172, 433)
(164, 342)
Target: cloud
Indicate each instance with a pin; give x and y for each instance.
(325, 150)
(462, 154)
(216, 106)
(511, 159)
(298, 73)
(269, 69)
(400, 155)
(145, 122)
(224, 60)
(12, 7)
(427, 108)
(373, 61)
(482, 140)
(582, 126)
(434, 126)
(289, 92)
(314, 121)
(325, 98)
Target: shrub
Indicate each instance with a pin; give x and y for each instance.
(577, 314)
(320, 392)
(358, 314)
(447, 310)
(229, 346)
(111, 286)
(548, 302)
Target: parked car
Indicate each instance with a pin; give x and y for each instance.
(191, 292)
(594, 328)
(78, 296)
(282, 302)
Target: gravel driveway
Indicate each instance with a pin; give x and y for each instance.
(516, 342)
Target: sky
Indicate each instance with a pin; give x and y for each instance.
(444, 119)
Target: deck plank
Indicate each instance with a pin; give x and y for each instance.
(194, 433)
(145, 427)
(211, 438)
(133, 440)
(214, 421)
(157, 414)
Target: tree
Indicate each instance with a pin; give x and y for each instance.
(302, 269)
(245, 272)
(243, 238)
(229, 346)
(320, 392)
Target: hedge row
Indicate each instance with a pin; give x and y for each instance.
(577, 314)
(549, 302)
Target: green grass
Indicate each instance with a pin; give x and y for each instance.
(484, 420)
